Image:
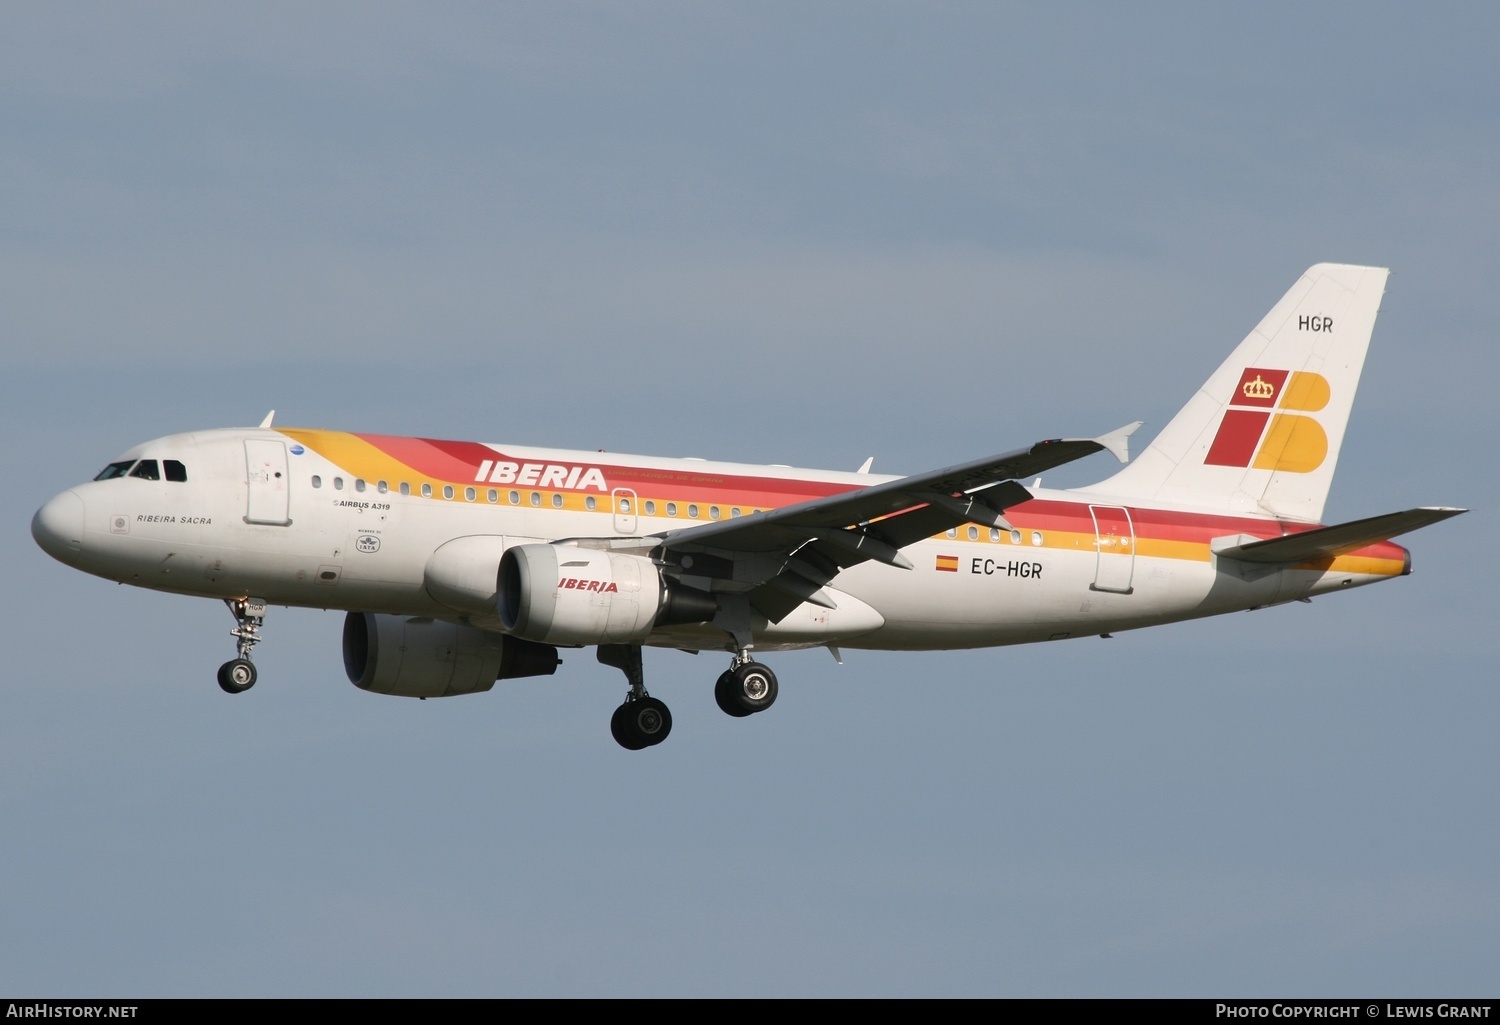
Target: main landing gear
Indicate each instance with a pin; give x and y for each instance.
(238, 674)
(642, 721)
(745, 688)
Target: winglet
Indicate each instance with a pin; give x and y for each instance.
(266, 423)
(1117, 442)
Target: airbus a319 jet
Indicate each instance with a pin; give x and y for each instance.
(460, 564)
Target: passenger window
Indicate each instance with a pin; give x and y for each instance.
(493, 496)
(556, 501)
(591, 503)
(405, 488)
(317, 481)
(692, 512)
(953, 532)
(382, 487)
(734, 513)
(713, 512)
(470, 494)
(671, 508)
(994, 533)
(536, 498)
(114, 470)
(338, 484)
(426, 490)
(175, 471)
(448, 491)
(359, 483)
(650, 508)
(973, 533)
(625, 505)
(1036, 538)
(146, 469)
(1015, 537)
(515, 498)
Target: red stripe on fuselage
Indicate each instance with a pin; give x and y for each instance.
(1172, 525)
(440, 460)
(458, 461)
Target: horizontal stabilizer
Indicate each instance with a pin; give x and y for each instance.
(1340, 539)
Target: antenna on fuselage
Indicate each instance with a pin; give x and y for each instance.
(266, 423)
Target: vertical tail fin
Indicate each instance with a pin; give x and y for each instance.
(1262, 435)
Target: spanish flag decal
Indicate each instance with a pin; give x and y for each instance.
(947, 563)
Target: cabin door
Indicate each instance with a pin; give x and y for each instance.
(1114, 537)
(265, 476)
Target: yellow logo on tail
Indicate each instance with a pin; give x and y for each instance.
(1292, 443)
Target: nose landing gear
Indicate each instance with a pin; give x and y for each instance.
(238, 674)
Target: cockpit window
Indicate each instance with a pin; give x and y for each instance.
(146, 469)
(175, 471)
(114, 470)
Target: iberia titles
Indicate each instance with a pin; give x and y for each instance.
(575, 584)
(542, 475)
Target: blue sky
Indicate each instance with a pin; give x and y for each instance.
(777, 233)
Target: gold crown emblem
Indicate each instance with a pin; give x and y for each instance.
(1259, 388)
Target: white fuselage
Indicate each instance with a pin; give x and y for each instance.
(333, 535)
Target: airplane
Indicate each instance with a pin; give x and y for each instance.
(459, 564)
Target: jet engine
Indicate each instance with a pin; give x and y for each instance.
(430, 658)
(559, 594)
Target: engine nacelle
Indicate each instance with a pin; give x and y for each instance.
(462, 572)
(430, 658)
(558, 594)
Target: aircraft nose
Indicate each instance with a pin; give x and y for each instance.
(58, 527)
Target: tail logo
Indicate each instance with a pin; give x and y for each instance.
(1259, 388)
(1292, 443)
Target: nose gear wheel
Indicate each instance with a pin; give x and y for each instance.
(237, 676)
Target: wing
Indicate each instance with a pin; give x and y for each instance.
(783, 557)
